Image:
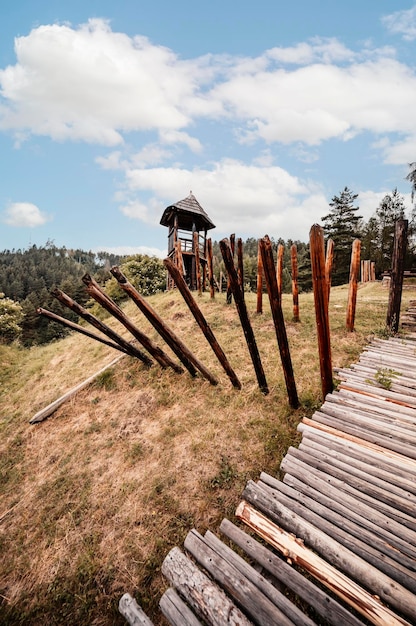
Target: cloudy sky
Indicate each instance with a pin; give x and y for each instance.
(109, 112)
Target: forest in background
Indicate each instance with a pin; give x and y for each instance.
(28, 276)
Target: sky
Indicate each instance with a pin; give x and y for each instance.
(110, 112)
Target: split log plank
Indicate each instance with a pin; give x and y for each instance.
(333, 612)
(293, 548)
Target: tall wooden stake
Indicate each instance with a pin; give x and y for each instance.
(259, 281)
(202, 323)
(229, 290)
(240, 264)
(320, 292)
(295, 287)
(279, 322)
(397, 271)
(279, 270)
(227, 255)
(354, 277)
(210, 269)
(329, 261)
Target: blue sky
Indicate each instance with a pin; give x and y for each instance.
(109, 112)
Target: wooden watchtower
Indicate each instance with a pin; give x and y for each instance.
(187, 239)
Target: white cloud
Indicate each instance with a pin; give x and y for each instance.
(402, 23)
(24, 214)
(131, 250)
(92, 84)
(249, 199)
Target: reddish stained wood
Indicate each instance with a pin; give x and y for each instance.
(354, 277)
(320, 291)
(229, 290)
(203, 324)
(94, 321)
(329, 261)
(295, 287)
(279, 322)
(243, 315)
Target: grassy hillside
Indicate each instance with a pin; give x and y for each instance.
(94, 497)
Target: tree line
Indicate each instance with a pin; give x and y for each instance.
(28, 276)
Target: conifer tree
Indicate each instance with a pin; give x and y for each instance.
(342, 225)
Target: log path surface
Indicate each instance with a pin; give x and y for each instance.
(334, 541)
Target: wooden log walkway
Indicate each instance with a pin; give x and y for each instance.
(334, 542)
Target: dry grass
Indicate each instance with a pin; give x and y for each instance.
(94, 497)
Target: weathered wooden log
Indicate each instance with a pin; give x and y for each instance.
(310, 426)
(366, 492)
(279, 270)
(210, 269)
(342, 493)
(229, 290)
(204, 326)
(53, 406)
(188, 359)
(320, 292)
(295, 287)
(243, 315)
(372, 400)
(179, 257)
(293, 548)
(207, 599)
(353, 284)
(106, 330)
(259, 282)
(176, 611)
(244, 585)
(329, 262)
(80, 329)
(350, 509)
(132, 612)
(279, 322)
(324, 605)
(396, 282)
(398, 399)
(360, 541)
(240, 264)
(109, 305)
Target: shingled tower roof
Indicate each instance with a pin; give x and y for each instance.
(189, 211)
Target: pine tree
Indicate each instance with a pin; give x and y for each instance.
(342, 225)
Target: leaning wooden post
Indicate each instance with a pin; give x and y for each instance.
(109, 305)
(229, 290)
(279, 322)
(279, 269)
(259, 281)
(240, 265)
(80, 329)
(178, 347)
(329, 261)
(210, 269)
(178, 256)
(320, 292)
(397, 271)
(227, 255)
(354, 277)
(203, 324)
(94, 321)
(295, 287)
